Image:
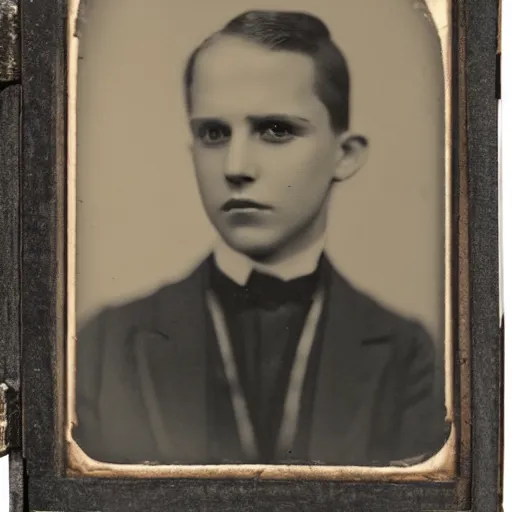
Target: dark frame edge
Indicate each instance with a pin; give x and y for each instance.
(460, 261)
(482, 125)
(43, 228)
(10, 111)
(10, 202)
(10, 108)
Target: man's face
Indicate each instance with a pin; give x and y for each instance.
(264, 152)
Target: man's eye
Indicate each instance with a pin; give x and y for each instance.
(214, 134)
(277, 132)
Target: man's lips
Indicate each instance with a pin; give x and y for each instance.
(243, 204)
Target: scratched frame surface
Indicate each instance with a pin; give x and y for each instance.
(42, 245)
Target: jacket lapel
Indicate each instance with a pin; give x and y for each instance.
(355, 352)
(171, 363)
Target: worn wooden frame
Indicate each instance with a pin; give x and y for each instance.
(33, 194)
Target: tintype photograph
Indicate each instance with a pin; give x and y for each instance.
(252, 255)
(260, 234)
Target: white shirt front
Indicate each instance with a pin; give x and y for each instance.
(238, 266)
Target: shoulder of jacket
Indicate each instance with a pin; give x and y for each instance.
(138, 311)
(374, 311)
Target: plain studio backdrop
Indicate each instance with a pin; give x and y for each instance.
(140, 220)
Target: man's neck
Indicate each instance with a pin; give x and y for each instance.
(238, 266)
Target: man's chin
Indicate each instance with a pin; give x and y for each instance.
(258, 250)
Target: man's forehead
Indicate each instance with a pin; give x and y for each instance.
(233, 72)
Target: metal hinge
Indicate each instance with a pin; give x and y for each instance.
(9, 42)
(4, 445)
(9, 419)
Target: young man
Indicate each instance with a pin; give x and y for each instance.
(264, 354)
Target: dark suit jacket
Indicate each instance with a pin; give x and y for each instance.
(141, 381)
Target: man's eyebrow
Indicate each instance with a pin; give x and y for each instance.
(279, 117)
(254, 119)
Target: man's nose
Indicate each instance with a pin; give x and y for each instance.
(239, 168)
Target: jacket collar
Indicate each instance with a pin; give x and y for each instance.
(349, 373)
(171, 363)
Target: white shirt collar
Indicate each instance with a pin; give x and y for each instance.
(238, 266)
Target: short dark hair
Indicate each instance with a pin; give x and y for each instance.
(296, 32)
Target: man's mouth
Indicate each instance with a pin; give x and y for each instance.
(243, 204)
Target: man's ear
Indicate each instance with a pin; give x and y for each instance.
(353, 155)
